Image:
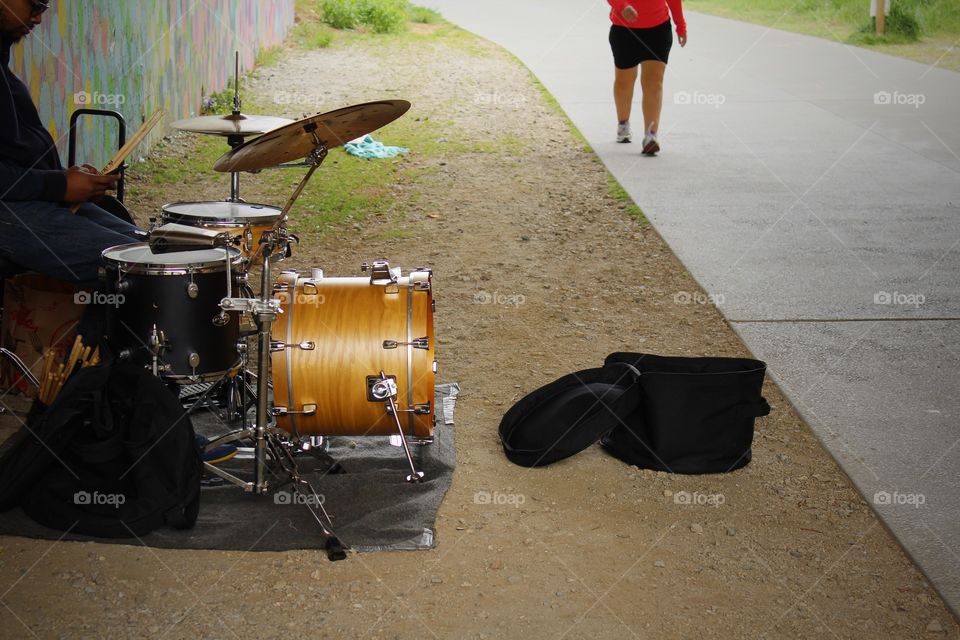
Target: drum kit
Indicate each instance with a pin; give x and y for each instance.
(335, 356)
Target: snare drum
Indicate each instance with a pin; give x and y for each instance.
(169, 304)
(333, 339)
(245, 221)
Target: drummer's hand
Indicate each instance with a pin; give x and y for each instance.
(85, 183)
(629, 13)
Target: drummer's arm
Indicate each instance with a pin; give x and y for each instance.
(20, 183)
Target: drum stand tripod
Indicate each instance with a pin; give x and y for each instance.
(272, 445)
(269, 442)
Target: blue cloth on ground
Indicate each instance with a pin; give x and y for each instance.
(367, 147)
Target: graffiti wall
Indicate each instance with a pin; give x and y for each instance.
(136, 56)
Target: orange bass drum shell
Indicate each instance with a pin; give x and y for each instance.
(333, 332)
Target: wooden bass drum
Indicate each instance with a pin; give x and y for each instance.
(333, 339)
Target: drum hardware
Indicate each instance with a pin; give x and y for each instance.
(380, 273)
(305, 410)
(306, 345)
(281, 450)
(315, 442)
(418, 343)
(157, 345)
(385, 389)
(410, 440)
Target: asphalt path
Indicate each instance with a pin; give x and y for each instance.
(812, 189)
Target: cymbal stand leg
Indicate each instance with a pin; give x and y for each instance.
(308, 497)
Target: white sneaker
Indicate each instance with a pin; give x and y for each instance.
(623, 132)
(650, 144)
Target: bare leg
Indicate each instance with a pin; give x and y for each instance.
(623, 83)
(651, 81)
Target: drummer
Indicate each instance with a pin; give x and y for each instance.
(39, 230)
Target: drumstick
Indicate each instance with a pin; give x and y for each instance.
(131, 144)
(74, 352)
(45, 377)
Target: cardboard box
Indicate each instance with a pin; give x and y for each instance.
(39, 313)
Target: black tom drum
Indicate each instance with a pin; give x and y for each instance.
(166, 306)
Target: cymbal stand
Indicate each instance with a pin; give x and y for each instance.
(270, 440)
(235, 140)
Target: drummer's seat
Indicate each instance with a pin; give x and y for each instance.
(8, 269)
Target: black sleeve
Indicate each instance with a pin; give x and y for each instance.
(19, 183)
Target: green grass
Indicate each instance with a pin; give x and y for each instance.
(920, 29)
(618, 193)
(312, 35)
(268, 57)
(220, 102)
(424, 15)
(381, 16)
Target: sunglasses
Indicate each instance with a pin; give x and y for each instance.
(37, 7)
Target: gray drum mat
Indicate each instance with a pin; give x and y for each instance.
(372, 506)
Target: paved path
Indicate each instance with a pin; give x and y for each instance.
(812, 189)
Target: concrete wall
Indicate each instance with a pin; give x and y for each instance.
(139, 55)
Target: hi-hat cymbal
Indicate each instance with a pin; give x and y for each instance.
(296, 141)
(231, 125)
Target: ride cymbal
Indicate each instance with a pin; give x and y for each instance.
(231, 125)
(298, 140)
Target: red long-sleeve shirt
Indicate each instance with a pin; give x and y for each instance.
(650, 13)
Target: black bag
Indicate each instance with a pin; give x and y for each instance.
(683, 415)
(114, 456)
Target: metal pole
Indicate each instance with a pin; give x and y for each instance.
(264, 322)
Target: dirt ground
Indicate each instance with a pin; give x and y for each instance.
(538, 272)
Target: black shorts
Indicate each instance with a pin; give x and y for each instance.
(632, 46)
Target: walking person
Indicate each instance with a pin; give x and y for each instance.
(640, 36)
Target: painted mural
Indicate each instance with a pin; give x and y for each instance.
(135, 56)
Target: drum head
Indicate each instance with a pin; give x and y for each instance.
(218, 212)
(138, 257)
